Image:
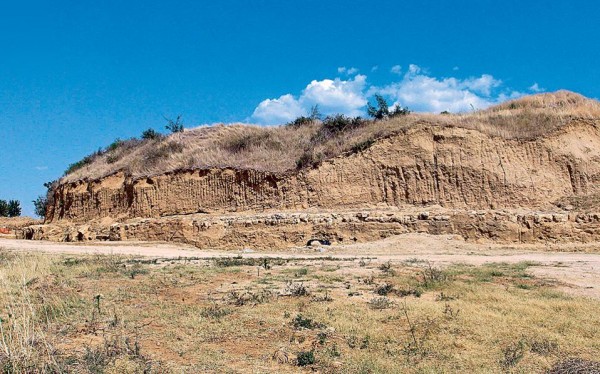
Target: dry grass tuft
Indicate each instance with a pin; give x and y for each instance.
(285, 148)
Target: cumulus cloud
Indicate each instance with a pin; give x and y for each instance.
(423, 93)
(416, 89)
(396, 69)
(274, 111)
(331, 95)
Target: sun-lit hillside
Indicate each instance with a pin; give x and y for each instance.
(288, 147)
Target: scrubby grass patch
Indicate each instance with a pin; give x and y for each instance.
(119, 314)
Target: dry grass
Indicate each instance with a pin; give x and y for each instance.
(279, 148)
(111, 314)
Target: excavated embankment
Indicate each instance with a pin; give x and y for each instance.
(457, 169)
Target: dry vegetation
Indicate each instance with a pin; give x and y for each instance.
(286, 148)
(94, 314)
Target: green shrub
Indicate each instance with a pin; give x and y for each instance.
(300, 322)
(114, 145)
(40, 206)
(382, 110)
(174, 126)
(300, 121)
(339, 123)
(87, 160)
(151, 134)
(305, 358)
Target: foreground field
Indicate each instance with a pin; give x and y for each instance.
(119, 314)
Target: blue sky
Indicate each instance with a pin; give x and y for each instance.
(75, 75)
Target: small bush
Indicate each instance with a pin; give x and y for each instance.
(432, 276)
(382, 111)
(409, 292)
(384, 289)
(87, 160)
(174, 126)
(40, 206)
(305, 358)
(151, 134)
(339, 122)
(300, 322)
(114, 145)
(386, 268)
(300, 121)
(297, 289)
(379, 303)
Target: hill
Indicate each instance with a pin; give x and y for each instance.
(538, 155)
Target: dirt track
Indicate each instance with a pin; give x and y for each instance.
(576, 267)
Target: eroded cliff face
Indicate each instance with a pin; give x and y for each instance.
(447, 166)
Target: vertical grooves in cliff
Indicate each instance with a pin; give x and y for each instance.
(448, 166)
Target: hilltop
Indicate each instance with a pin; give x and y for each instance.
(287, 148)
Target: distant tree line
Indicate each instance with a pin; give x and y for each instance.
(10, 208)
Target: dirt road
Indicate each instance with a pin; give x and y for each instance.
(576, 267)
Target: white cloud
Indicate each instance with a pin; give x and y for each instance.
(422, 93)
(536, 88)
(396, 69)
(275, 111)
(374, 68)
(414, 69)
(332, 96)
(336, 96)
(349, 71)
(41, 168)
(416, 90)
(456, 68)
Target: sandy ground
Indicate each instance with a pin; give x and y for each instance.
(576, 268)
